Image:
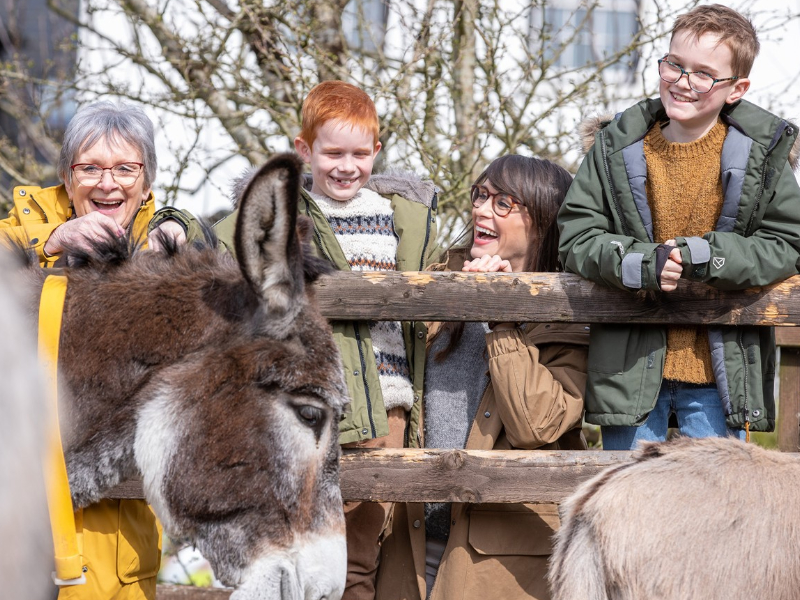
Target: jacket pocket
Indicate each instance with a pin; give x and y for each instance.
(138, 542)
(515, 529)
(608, 347)
(616, 349)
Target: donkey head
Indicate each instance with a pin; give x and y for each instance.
(225, 391)
(266, 429)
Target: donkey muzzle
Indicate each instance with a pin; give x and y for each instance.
(312, 569)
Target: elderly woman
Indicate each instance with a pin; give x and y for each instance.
(493, 386)
(107, 164)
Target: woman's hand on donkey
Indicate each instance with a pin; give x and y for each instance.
(167, 229)
(80, 232)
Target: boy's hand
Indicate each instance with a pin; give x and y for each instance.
(672, 269)
(487, 264)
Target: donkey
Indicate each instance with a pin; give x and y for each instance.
(221, 384)
(693, 518)
(27, 548)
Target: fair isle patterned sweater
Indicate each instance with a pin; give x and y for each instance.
(364, 228)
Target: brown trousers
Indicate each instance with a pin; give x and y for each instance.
(365, 521)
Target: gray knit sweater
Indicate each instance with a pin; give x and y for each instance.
(453, 391)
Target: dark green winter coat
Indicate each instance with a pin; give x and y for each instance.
(607, 236)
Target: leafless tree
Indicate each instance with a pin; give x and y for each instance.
(456, 82)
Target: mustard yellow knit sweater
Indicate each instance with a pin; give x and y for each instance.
(684, 189)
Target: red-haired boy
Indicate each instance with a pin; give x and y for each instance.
(367, 223)
(362, 222)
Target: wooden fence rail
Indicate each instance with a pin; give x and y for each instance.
(412, 475)
(546, 297)
(480, 476)
(516, 476)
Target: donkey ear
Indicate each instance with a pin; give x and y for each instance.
(267, 245)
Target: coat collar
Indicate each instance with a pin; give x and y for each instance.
(629, 126)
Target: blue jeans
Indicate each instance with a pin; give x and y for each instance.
(697, 408)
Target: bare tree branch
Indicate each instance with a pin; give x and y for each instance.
(456, 82)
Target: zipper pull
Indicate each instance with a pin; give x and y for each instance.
(746, 424)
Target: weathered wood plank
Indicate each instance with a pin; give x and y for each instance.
(546, 297)
(188, 592)
(789, 401)
(406, 475)
(788, 336)
(131, 489)
(414, 475)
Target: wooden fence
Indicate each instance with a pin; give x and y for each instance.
(410, 475)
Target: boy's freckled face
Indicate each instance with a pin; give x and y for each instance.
(341, 159)
(693, 114)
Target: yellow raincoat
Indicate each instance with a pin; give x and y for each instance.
(38, 211)
(119, 540)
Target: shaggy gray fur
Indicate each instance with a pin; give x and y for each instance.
(712, 518)
(26, 550)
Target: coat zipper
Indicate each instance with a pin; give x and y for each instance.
(761, 184)
(46, 220)
(744, 371)
(431, 208)
(364, 379)
(617, 208)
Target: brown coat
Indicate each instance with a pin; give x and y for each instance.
(534, 400)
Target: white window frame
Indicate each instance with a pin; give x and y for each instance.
(593, 45)
(364, 24)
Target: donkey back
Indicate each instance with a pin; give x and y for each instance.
(693, 518)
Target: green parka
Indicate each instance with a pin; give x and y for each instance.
(414, 206)
(607, 236)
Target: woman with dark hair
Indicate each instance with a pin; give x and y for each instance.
(493, 386)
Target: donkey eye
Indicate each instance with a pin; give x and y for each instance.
(309, 415)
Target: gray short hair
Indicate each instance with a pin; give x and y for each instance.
(106, 120)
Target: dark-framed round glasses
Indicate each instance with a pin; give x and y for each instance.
(699, 81)
(502, 203)
(125, 174)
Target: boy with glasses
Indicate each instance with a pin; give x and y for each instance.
(697, 185)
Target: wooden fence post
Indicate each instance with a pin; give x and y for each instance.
(788, 339)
